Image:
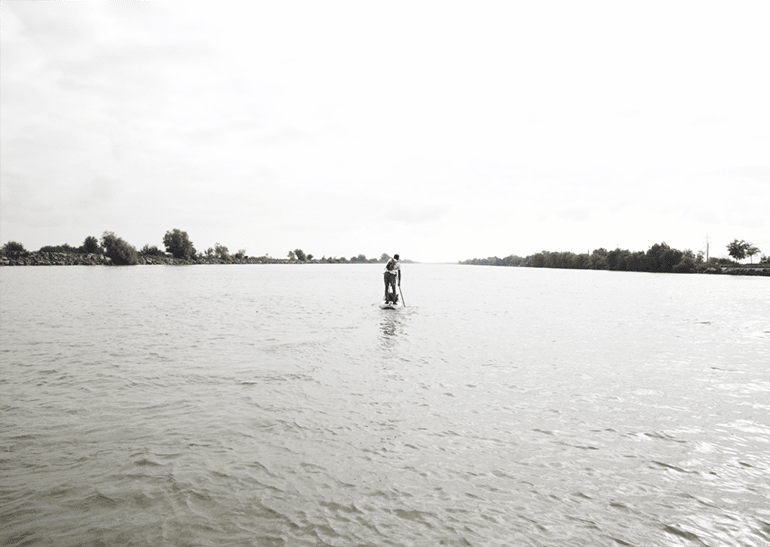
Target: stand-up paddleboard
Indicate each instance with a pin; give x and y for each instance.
(388, 305)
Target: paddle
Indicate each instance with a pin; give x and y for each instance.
(402, 295)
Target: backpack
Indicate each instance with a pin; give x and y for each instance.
(390, 265)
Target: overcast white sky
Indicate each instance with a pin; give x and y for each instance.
(440, 130)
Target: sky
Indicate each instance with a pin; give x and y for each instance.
(440, 130)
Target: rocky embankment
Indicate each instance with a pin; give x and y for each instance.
(730, 270)
(54, 259)
(77, 259)
(38, 258)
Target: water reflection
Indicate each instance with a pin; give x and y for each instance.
(392, 325)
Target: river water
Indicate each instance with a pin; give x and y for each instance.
(277, 405)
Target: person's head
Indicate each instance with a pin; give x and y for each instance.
(396, 257)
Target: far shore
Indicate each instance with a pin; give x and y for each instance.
(37, 258)
(42, 258)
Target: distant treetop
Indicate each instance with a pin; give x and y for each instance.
(178, 244)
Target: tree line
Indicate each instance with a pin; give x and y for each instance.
(177, 245)
(658, 258)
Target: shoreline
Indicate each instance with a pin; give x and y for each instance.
(37, 258)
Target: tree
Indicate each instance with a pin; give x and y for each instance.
(654, 255)
(310, 257)
(222, 253)
(538, 259)
(670, 258)
(554, 260)
(384, 257)
(618, 259)
(751, 250)
(90, 245)
(599, 259)
(300, 255)
(582, 261)
(13, 249)
(737, 249)
(637, 262)
(178, 244)
(292, 256)
(117, 250)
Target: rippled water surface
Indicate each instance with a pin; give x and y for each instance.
(279, 406)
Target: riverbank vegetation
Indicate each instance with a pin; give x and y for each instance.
(179, 249)
(658, 258)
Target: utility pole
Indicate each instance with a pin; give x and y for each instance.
(707, 248)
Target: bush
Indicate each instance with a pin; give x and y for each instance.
(151, 251)
(59, 249)
(686, 265)
(90, 245)
(13, 248)
(117, 250)
(721, 262)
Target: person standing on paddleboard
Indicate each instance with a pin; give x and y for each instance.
(391, 274)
